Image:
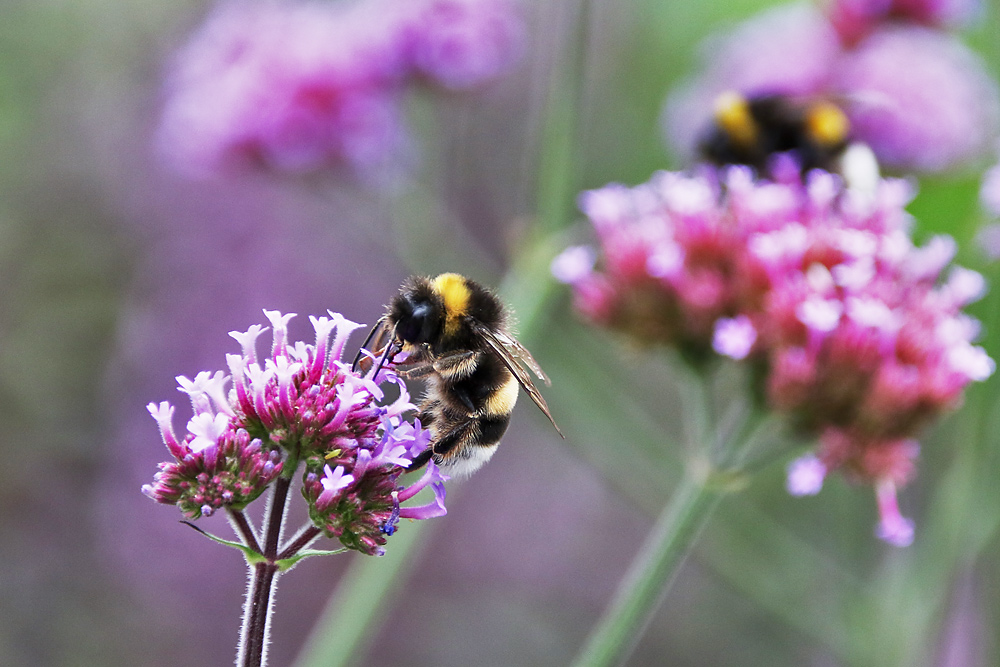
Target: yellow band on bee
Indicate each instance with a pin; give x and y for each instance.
(732, 113)
(501, 401)
(455, 293)
(827, 124)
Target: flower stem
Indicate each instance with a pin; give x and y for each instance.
(263, 575)
(300, 541)
(245, 530)
(253, 640)
(650, 574)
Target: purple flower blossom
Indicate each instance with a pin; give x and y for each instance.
(806, 475)
(217, 464)
(734, 337)
(859, 334)
(461, 43)
(300, 403)
(294, 87)
(855, 19)
(924, 100)
(304, 86)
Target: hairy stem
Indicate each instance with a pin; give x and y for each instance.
(300, 541)
(257, 610)
(244, 529)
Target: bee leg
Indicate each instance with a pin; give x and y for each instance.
(377, 332)
(458, 364)
(417, 372)
(421, 459)
(444, 441)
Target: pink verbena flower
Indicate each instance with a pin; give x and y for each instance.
(362, 507)
(299, 403)
(855, 19)
(294, 87)
(919, 97)
(462, 43)
(858, 333)
(309, 85)
(215, 465)
(924, 100)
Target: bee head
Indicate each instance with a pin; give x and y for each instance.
(418, 314)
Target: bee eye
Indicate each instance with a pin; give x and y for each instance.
(419, 326)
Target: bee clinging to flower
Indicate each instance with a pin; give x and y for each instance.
(454, 334)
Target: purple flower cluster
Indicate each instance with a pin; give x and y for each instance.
(855, 19)
(304, 86)
(858, 333)
(916, 95)
(299, 404)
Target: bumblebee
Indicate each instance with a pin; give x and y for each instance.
(454, 335)
(749, 130)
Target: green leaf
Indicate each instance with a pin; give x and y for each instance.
(285, 564)
(253, 557)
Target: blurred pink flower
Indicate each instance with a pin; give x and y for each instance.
(922, 99)
(303, 86)
(294, 87)
(859, 334)
(855, 19)
(462, 43)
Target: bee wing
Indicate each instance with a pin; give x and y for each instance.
(520, 353)
(513, 354)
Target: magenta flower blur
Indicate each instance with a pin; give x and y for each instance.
(925, 100)
(304, 86)
(300, 403)
(462, 43)
(860, 334)
(989, 192)
(918, 97)
(855, 19)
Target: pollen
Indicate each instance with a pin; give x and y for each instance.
(732, 113)
(455, 293)
(827, 124)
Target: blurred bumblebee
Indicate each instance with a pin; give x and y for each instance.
(453, 332)
(749, 130)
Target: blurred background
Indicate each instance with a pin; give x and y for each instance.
(119, 274)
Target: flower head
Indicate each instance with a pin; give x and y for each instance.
(291, 87)
(298, 403)
(461, 43)
(217, 464)
(923, 100)
(855, 19)
(305, 86)
(858, 332)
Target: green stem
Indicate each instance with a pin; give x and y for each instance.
(650, 575)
